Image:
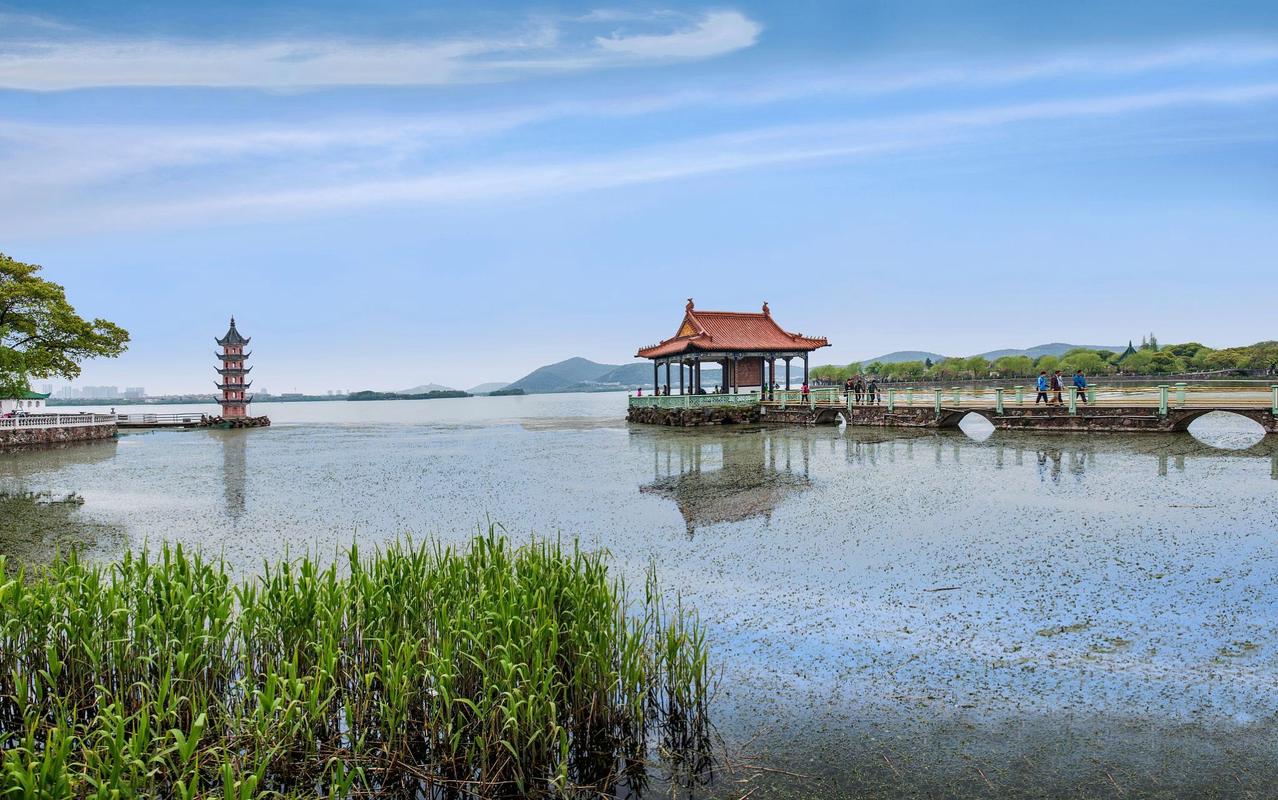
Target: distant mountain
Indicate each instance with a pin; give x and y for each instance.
(640, 374)
(583, 375)
(1053, 349)
(485, 388)
(426, 387)
(562, 376)
(905, 355)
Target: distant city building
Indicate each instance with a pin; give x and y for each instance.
(135, 392)
(234, 402)
(100, 392)
(46, 388)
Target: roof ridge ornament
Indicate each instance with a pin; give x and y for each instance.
(766, 312)
(690, 306)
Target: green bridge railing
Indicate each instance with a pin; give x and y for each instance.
(1162, 397)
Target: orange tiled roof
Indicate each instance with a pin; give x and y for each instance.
(730, 330)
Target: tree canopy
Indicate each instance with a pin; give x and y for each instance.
(1151, 359)
(41, 335)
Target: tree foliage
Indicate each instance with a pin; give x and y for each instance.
(1150, 360)
(41, 335)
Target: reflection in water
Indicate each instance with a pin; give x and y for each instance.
(731, 477)
(234, 472)
(18, 464)
(1055, 455)
(37, 522)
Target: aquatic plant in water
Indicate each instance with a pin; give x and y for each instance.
(494, 671)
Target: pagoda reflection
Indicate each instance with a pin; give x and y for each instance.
(234, 470)
(730, 477)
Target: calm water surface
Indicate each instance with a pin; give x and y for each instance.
(897, 614)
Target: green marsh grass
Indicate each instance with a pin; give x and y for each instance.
(417, 671)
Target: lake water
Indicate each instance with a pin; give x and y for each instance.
(896, 613)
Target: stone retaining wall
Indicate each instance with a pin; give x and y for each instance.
(16, 437)
(692, 417)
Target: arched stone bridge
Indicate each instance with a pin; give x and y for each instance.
(1162, 408)
(1104, 418)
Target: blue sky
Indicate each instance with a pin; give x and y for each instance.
(389, 193)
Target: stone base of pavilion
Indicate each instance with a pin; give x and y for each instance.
(693, 417)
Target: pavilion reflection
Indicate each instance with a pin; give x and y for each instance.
(729, 477)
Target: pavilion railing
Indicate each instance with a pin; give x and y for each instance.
(56, 420)
(694, 400)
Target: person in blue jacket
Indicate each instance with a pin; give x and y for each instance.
(1042, 389)
(1080, 383)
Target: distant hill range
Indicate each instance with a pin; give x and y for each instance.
(584, 375)
(426, 388)
(1053, 349)
(485, 388)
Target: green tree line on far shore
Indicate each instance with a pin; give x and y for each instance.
(1150, 359)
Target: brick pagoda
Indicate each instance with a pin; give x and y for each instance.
(234, 401)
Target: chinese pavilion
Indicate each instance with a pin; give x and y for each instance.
(234, 402)
(746, 345)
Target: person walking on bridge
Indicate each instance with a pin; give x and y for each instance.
(1058, 386)
(873, 391)
(1042, 389)
(1080, 386)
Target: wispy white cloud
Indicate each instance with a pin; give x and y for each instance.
(10, 21)
(715, 34)
(70, 63)
(359, 167)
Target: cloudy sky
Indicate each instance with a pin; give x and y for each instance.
(388, 193)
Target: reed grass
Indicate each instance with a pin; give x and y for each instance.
(418, 670)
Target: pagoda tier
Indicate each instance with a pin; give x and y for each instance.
(233, 387)
(233, 370)
(232, 356)
(233, 337)
(236, 403)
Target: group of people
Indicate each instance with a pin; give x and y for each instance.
(862, 390)
(1056, 385)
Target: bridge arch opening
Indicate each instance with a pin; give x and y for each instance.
(1226, 430)
(976, 426)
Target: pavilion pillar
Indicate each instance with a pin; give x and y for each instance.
(681, 391)
(735, 385)
(667, 373)
(656, 378)
(787, 373)
(696, 375)
(763, 376)
(805, 368)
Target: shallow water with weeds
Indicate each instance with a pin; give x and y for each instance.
(895, 613)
